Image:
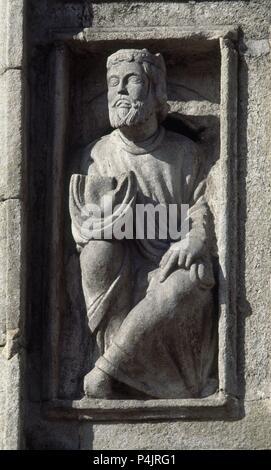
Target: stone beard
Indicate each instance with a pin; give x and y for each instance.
(149, 302)
(136, 112)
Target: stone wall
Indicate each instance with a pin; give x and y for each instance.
(12, 221)
(31, 119)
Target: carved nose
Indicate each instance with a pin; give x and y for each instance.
(122, 89)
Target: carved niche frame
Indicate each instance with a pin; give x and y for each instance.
(224, 404)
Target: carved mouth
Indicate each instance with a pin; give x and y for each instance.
(122, 104)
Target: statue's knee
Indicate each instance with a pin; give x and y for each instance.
(100, 263)
(187, 290)
(186, 284)
(176, 288)
(98, 253)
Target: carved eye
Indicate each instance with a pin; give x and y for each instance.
(113, 81)
(134, 79)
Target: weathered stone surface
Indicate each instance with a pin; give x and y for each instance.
(252, 432)
(12, 323)
(3, 381)
(48, 435)
(14, 270)
(3, 35)
(3, 273)
(246, 14)
(125, 13)
(12, 134)
(11, 173)
(254, 238)
(11, 397)
(12, 14)
(12, 430)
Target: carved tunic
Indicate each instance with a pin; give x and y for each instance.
(161, 340)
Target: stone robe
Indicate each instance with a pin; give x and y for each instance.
(158, 339)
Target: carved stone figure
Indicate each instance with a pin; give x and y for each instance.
(149, 301)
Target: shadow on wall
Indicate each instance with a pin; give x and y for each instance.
(243, 306)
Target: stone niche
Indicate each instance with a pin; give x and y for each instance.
(202, 94)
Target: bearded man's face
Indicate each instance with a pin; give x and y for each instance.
(130, 98)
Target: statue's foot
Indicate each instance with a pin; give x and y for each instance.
(97, 384)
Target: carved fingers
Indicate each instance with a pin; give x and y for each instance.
(185, 259)
(181, 255)
(168, 264)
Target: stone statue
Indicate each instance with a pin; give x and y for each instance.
(149, 301)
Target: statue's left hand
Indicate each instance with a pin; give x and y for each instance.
(181, 255)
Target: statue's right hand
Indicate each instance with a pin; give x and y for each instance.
(181, 254)
(169, 263)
